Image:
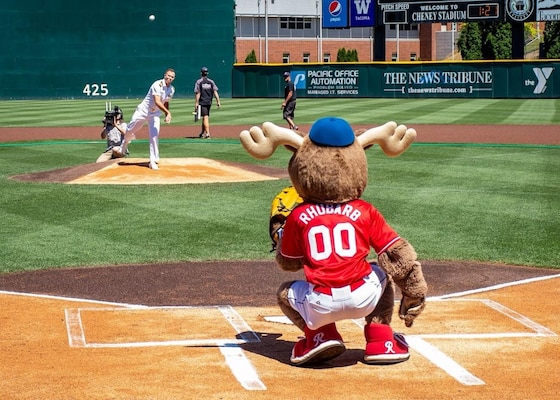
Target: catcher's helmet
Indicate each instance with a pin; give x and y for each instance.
(110, 115)
(118, 112)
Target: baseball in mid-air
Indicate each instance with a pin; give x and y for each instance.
(152, 17)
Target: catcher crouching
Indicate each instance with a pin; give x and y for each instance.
(329, 231)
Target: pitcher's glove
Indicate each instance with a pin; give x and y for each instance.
(282, 206)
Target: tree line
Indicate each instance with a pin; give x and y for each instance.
(480, 41)
(492, 40)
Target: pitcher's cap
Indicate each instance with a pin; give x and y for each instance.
(203, 69)
(332, 131)
(286, 74)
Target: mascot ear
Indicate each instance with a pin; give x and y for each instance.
(392, 139)
(261, 143)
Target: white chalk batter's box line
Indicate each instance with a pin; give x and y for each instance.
(77, 336)
(239, 365)
(537, 330)
(248, 377)
(443, 361)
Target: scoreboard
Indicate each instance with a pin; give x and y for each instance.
(354, 13)
(483, 11)
(423, 11)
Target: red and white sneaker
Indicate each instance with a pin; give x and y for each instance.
(318, 346)
(383, 346)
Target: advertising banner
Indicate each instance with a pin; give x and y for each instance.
(429, 11)
(335, 13)
(502, 79)
(548, 10)
(457, 81)
(331, 82)
(362, 13)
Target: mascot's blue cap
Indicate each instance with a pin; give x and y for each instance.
(332, 131)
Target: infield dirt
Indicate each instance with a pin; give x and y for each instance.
(212, 330)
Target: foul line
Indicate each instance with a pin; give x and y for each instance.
(442, 361)
(495, 287)
(48, 296)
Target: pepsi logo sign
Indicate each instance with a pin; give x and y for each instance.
(335, 8)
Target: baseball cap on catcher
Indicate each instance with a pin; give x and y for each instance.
(286, 74)
(332, 131)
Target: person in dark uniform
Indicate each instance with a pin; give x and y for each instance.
(205, 90)
(289, 104)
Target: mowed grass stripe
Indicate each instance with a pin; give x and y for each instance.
(487, 203)
(546, 110)
(254, 111)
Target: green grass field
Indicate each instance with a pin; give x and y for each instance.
(463, 202)
(250, 111)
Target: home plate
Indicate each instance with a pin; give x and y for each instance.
(280, 319)
(136, 171)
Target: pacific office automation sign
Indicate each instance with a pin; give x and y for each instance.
(331, 82)
(348, 13)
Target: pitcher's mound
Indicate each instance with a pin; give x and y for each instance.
(136, 171)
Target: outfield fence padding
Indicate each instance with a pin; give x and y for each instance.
(69, 49)
(480, 79)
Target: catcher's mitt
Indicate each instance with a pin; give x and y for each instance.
(282, 206)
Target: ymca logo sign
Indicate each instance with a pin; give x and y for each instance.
(541, 84)
(542, 75)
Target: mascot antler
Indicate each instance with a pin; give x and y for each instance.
(392, 139)
(261, 143)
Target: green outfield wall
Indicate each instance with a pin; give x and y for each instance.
(496, 79)
(111, 49)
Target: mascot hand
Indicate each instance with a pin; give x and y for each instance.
(411, 308)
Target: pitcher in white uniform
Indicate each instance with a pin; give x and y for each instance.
(149, 110)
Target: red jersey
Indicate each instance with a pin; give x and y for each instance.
(334, 240)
